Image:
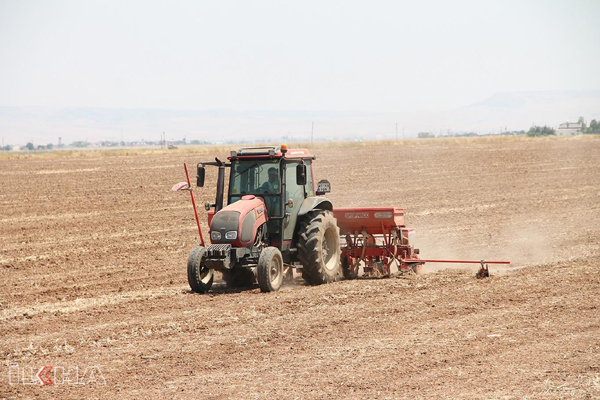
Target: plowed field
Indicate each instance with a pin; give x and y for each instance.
(92, 275)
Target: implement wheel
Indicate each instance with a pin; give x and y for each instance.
(270, 270)
(347, 271)
(417, 268)
(200, 278)
(319, 247)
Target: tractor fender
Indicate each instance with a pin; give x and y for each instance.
(315, 203)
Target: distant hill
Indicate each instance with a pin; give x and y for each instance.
(519, 110)
(43, 125)
(510, 110)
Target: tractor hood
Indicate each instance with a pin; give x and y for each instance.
(237, 223)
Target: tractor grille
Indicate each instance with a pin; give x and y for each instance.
(218, 250)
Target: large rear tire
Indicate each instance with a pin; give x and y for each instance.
(200, 278)
(239, 277)
(270, 269)
(319, 247)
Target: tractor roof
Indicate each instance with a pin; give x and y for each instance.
(269, 152)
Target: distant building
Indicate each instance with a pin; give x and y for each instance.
(569, 128)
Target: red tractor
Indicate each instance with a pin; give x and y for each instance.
(275, 218)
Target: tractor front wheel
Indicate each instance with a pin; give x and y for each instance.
(270, 269)
(200, 277)
(319, 247)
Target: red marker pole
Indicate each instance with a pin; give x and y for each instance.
(456, 261)
(187, 175)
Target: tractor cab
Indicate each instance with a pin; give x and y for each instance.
(283, 179)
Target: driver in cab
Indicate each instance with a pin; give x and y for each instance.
(272, 185)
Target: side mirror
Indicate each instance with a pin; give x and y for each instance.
(200, 177)
(301, 175)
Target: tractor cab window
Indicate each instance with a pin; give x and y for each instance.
(260, 178)
(292, 189)
(309, 179)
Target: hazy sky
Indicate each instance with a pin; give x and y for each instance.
(390, 56)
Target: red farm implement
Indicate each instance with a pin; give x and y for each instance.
(378, 237)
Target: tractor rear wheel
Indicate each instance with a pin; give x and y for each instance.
(270, 269)
(239, 277)
(200, 278)
(319, 247)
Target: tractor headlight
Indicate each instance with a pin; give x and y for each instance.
(231, 235)
(215, 235)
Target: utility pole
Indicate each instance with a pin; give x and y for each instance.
(312, 132)
(402, 133)
(396, 131)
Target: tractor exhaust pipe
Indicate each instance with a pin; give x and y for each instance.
(220, 186)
